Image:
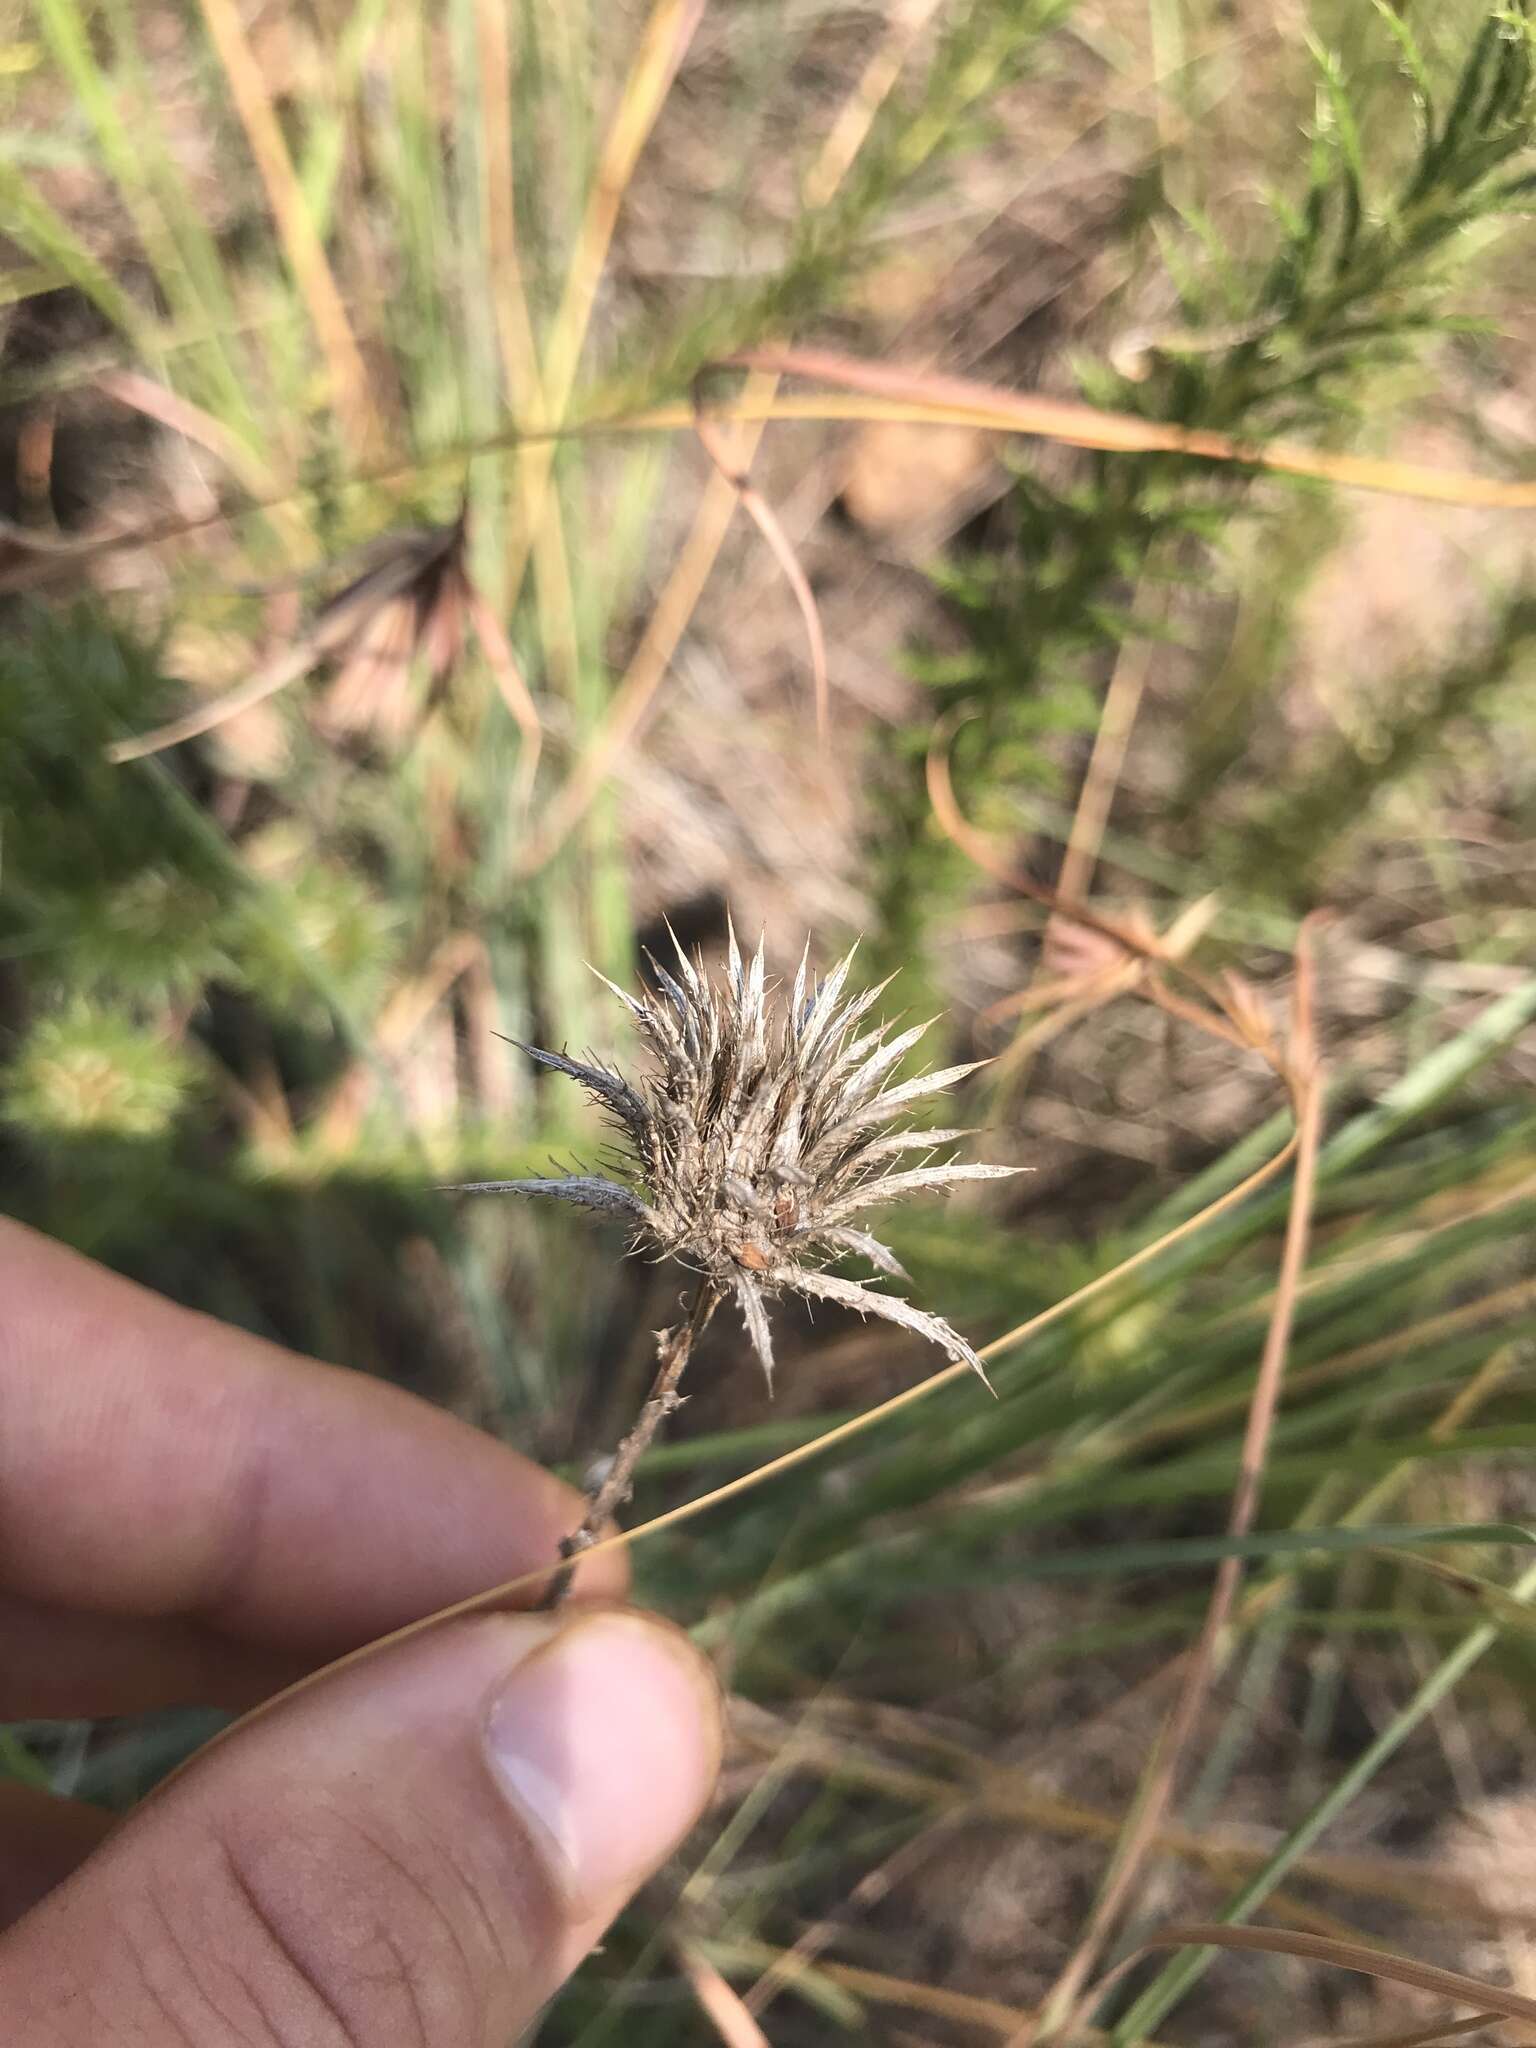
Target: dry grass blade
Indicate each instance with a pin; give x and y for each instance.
(1191, 1013)
(143, 395)
(512, 684)
(681, 593)
(921, 394)
(403, 1015)
(1419, 1889)
(663, 45)
(1100, 972)
(1089, 993)
(879, 1987)
(872, 1888)
(1228, 1013)
(856, 116)
(980, 851)
(766, 521)
(1349, 1364)
(370, 692)
(33, 556)
(720, 2004)
(1490, 1999)
(275, 675)
(541, 532)
(409, 600)
(1425, 2037)
(979, 1787)
(514, 325)
(632, 700)
(302, 245)
(1305, 1074)
(1101, 778)
(907, 1994)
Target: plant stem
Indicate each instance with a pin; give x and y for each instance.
(674, 1348)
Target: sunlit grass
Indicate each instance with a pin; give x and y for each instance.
(420, 279)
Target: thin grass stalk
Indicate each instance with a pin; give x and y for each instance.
(905, 1994)
(893, 392)
(719, 2002)
(674, 1349)
(302, 245)
(978, 849)
(1369, 1962)
(637, 688)
(216, 318)
(684, 587)
(521, 371)
(1061, 2009)
(1170, 1986)
(767, 523)
(1423, 2037)
(1302, 1072)
(48, 238)
(1394, 479)
(876, 1885)
(1345, 1366)
(873, 1887)
(514, 323)
(539, 527)
(663, 46)
(1101, 778)
(856, 116)
(997, 1792)
(69, 39)
(141, 394)
(334, 1126)
(1084, 837)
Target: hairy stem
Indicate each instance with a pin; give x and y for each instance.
(674, 1348)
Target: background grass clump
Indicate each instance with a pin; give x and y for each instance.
(284, 292)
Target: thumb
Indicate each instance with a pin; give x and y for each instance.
(416, 1850)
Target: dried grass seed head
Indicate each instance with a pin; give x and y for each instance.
(761, 1131)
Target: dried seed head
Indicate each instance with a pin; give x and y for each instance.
(760, 1134)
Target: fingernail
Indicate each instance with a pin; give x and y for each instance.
(607, 1742)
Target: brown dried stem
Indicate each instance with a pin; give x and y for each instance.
(674, 1348)
(302, 246)
(1229, 1012)
(1068, 2005)
(1493, 2001)
(721, 2004)
(925, 394)
(764, 518)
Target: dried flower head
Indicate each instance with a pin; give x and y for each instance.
(759, 1136)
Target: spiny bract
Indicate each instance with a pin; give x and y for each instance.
(759, 1137)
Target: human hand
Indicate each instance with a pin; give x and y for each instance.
(412, 1853)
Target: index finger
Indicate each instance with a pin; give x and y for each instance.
(154, 1462)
